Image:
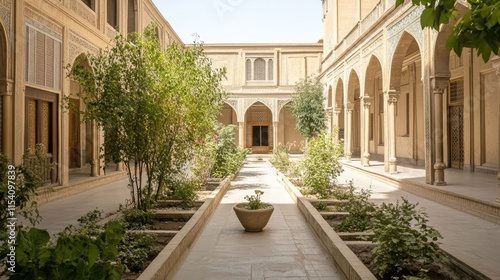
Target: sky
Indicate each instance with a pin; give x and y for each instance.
(244, 21)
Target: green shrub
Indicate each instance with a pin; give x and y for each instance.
(184, 191)
(320, 165)
(135, 250)
(228, 156)
(137, 219)
(360, 211)
(320, 206)
(73, 256)
(280, 158)
(406, 244)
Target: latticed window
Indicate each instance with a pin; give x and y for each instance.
(43, 59)
(270, 70)
(259, 69)
(248, 68)
(456, 92)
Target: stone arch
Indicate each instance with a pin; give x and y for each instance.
(405, 42)
(353, 106)
(82, 137)
(6, 143)
(259, 127)
(339, 94)
(229, 116)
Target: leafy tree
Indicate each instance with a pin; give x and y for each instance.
(321, 165)
(153, 105)
(479, 28)
(307, 107)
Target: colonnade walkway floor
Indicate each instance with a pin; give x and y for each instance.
(286, 249)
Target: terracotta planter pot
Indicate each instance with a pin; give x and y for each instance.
(253, 220)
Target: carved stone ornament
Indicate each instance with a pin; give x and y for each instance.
(393, 96)
(367, 101)
(439, 84)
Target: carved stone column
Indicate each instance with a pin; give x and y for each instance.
(439, 85)
(348, 133)
(496, 65)
(337, 111)
(329, 121)
(365, 161)
(241, 134)
(6, 87)
(392, 99)
(275, 135)
(94, 164)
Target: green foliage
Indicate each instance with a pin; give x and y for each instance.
(406, 244)
(321, 165)
(135, 250)
(280, 158)
(162, 102)
(204, 158)
(228, 156)
(307, 106)
(321, 206)
(479, 27)
(184, 191)
(254, 201)
(73, 256)
(360, 211)
(137, 218)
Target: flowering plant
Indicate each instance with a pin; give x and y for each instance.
(254, 202)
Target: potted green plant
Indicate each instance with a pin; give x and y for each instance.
(254, 214)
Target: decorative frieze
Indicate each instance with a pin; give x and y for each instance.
(82, 10)
(5, 15)
(282, 103)
(79, 45)
(37, 21)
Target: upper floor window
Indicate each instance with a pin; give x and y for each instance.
(90, 4)
(259, 69)
(132, 16)
(112, 13)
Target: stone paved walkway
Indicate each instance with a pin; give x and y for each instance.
(285, 249)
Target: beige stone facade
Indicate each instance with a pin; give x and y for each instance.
(261, 80)
(398, 95)
(37, 40)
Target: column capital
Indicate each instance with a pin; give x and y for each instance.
(6, 87)
(393, 96)
(337, 110)
(349, 107)
(367, 101)
(440, 83)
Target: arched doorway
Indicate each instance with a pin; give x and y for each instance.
(354, 109)
(259, 133)
(339, 109)
(287, 130)
(228, 117)
(373, 89)
(408, 102)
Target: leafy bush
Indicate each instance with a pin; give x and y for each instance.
(407, 245)
(280, 158)
(228, 156)
(320, 165)
(136, 218)
(135, 250)
(184, 191)
(73, 256)
(320, 206)
(360, 211)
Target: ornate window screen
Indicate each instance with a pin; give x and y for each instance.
(456, 92)
(43, 59)
(259, 117)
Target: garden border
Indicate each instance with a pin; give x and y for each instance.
(349, 264)
(168, 260)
